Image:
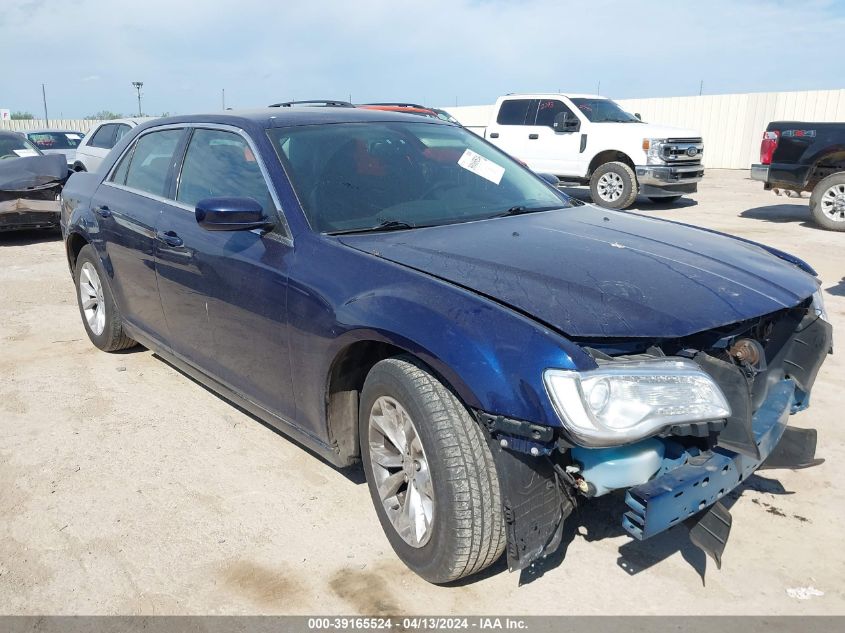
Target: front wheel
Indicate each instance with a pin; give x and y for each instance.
(613, 186)
(430, 473)
(827, 203)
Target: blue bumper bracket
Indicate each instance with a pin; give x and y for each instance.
(675, 496)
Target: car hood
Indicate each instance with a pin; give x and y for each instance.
(590, 272)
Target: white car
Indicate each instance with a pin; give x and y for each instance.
(56, 142)
(590, 140)
(99, 140)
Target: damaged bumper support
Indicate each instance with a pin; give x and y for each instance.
(30, 189)
(26, 213)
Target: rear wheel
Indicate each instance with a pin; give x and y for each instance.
(430, 473)
(827, 203)
(100, 315)
(614, 186)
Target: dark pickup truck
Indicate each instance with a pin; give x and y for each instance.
(797, 156)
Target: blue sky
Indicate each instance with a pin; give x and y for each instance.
(88, 52)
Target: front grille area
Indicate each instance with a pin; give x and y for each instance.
(677, 150)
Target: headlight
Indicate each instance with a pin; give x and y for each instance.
(627, 401)
(653, 147)
(818, 305)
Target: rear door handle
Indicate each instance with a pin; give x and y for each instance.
(494, 135)
(533, 136)
(103, 211)
(170, 238)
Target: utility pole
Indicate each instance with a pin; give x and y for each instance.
(223, 97)
(138, 85)
(700, 87)
(598, 88)
(44, 98)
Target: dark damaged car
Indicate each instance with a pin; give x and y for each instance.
(30, 184)
(395, 291)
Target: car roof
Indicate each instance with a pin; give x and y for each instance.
(568, 95)
(45, 130)
(290, 117)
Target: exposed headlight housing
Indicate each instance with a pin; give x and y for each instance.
(818, 305)
(622, 402)
(653, 150)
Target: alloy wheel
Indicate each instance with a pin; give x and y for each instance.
(91, 298)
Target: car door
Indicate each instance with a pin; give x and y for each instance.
(508, 132)
(549, 151)
(127, 205)
(224, 293)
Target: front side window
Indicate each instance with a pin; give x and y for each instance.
(104, 137)
(221, 164)
(121, 131)
(151, 160)
(356, 176)
(603, 111)
(548, 109)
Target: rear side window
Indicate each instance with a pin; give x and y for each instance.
(104, 137)
(151, 160)
(221, 164)
(515, 112)
(548, 109)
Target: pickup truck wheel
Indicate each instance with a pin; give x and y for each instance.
(430, 473)
(614, 186)
(827, 202)
(99, 312)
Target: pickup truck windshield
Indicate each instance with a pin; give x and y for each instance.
(397, 175)
(604, 111)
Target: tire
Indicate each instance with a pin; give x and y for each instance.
(827, 202)
(613, 186)
(465, 532)
(103, 322)
(664, 199)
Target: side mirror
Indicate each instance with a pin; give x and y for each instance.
(550, 178)
(637, 114)
(566, 122)
(231, 214)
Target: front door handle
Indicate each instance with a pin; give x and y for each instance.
(494, 135)
(170, 238)
(103, 211)
(533, 136)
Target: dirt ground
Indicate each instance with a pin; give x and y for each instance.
(126, 488)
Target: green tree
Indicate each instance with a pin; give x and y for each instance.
(22, 116)
(103, 115)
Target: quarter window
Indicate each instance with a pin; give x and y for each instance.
(151, 161)
(221, 164)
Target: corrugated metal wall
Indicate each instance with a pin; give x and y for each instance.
(731, 125)
(78, 125)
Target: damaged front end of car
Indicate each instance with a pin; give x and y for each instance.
(676, 423)
(30, 191)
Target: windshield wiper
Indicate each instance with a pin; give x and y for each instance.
(522, 209)
(385, 225)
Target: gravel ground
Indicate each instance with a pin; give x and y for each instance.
(127, 488)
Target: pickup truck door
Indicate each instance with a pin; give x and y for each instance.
(548, 151)
(508, 131)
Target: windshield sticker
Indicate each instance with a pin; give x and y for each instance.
(480, 166)
(25, 153)
(73, 137)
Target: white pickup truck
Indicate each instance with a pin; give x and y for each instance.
(590, 140)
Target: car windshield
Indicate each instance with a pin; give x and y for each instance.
(16, 146)
(389, 175)
(55, 140)
(604, 111)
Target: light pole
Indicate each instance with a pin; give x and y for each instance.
(138, 85)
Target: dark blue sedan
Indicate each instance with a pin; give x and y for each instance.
(396, 291)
